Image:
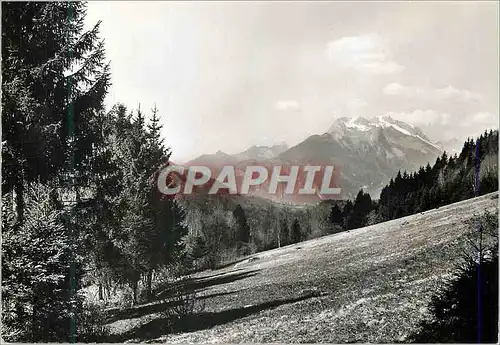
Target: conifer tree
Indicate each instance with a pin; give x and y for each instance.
(346, 213)
(54, 79)
(362, 206)
(285, 232)
(296, 234)
(242, 228)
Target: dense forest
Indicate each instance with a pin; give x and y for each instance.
(80, 207)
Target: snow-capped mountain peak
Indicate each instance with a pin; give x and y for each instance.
(369, 150)
(387, 121)
(360, 123)
(361, 126)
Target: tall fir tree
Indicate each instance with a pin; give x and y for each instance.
(54, 80)
(242, 230)
(296, 232)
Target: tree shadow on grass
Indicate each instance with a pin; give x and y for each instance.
(204, 320)
(233, 262)
(219, 274)
(139, 311)
(198, 284)
(190, 285)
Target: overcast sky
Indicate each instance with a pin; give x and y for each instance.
(228, 75)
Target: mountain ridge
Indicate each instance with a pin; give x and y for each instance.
(369, 151)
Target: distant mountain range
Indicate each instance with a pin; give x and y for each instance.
(253, 153)
(451, 146)
(368, 151)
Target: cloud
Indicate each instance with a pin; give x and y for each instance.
(421, 117)
(482, 118)
(396, 89)
(287, 105)
(366, 53)
(356, 104)
(450, 92)
(445, 93)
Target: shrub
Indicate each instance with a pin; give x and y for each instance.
(91, 324)
(455, 313)
(182, 303)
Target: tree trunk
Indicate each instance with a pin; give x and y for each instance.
(149, 279)
(134, 288)
(19, 190)
(100, 292)
(109, 283)
(107, 289)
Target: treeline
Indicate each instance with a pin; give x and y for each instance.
(448, 180)
(222, 228)
(138, 230)
(80, 207)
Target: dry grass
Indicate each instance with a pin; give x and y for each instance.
(366, 285)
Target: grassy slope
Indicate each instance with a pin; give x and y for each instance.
(369, 285)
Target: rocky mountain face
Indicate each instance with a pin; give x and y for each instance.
(368, 151)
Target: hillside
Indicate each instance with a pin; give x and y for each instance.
(372, 284)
